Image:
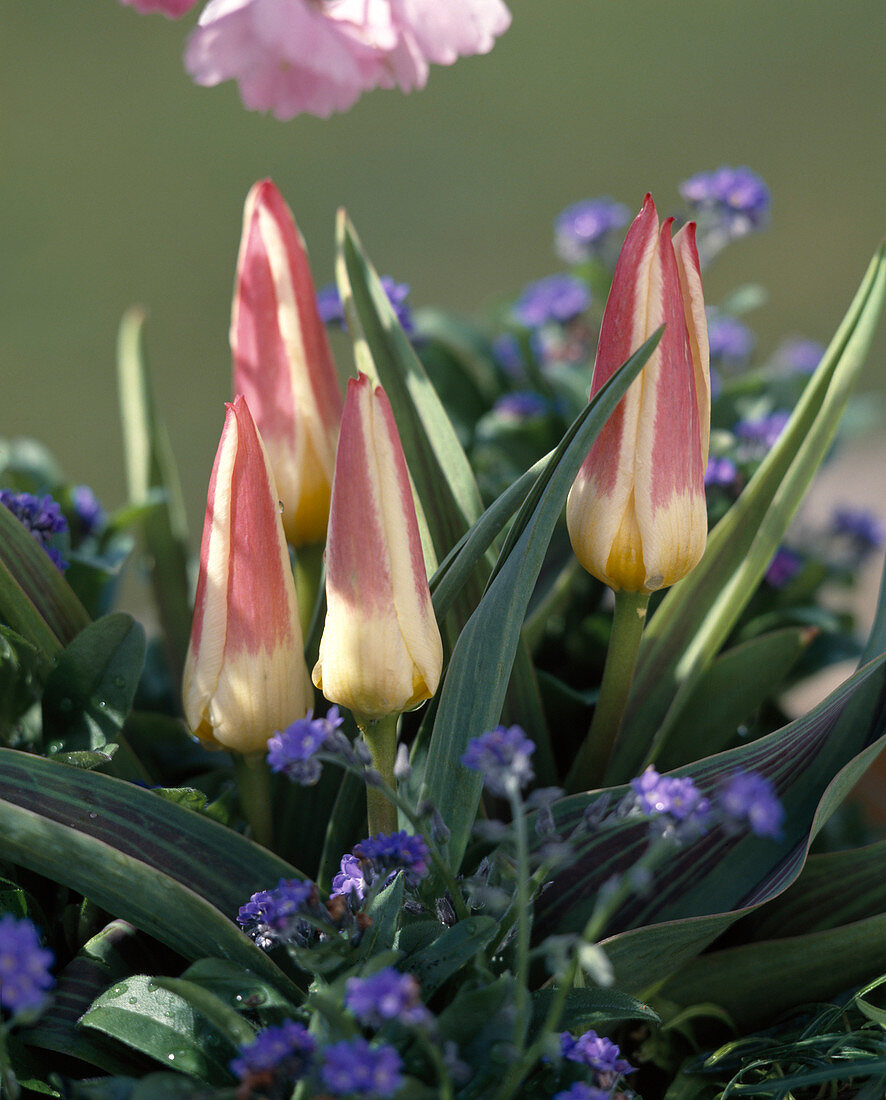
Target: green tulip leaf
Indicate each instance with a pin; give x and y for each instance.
(35, 599)
(152, 479)
(716, 878)
(585, 1008)
(476, 680)
(730, 690)
(449, 501)
(454, 948)
(89, 693)
(758, 981)
(175, 874)
(175, 1022)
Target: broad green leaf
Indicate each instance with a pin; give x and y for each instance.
(242, 989)
(35, 599)
(729, 692)
(595, 1008)
(384, 912)
(177, 875)
(89, 693)
(150, 467)
(696, 616)
(758, 981)
(454, 570)
(175, 1022)
(98, 966)
(813, 904)
(476, 680)
(439, 467)
(432, 965)
(448, 498)
(21, 677)
(711, 881)
(477, 1023)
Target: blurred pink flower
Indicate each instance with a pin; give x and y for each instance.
(172, 8)
(319, 56)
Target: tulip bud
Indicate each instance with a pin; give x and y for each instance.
(283, 364)
(636, 512)
(381, 651)
(245, 674)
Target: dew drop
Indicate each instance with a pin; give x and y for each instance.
(92, 815)
(280, 507)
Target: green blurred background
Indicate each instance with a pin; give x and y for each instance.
(123, 183)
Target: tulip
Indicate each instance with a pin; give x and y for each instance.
(283, 364)
(636, 512)
(381, 651)
(245, 674)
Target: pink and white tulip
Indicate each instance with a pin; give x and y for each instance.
(636, 512)
(245, 674)
(319, 56)
(283, 363)
(381, 651)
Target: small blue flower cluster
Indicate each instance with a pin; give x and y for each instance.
(556, 298)
(582, 229)
(280, 915)
(737, 195)
(758, 435)
(287, 1054)
(41, 516)
(286, 1051)
(521, 405)
(798, 355)
(385, 854)
(862, 527)
(293, 751)
(24, 966)
(598, 1054)
(731, 341)
(785, 565)
(386, 995)
(674, 796)
(88, 510)
(502, 757)
(721, 472)
(331, 310)
(746, 800)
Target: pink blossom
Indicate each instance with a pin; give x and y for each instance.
(174, 9)
(319, 56)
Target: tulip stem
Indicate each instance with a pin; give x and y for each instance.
(381, 737)
(254, 790)
(589, 769)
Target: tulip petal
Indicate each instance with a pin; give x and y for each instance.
(636, 513)
(245, 675)
(381, 651)
(283, 363)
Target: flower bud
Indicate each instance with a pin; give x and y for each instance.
(245, 674)
(636, 512)
(283, 364)
(381, 651)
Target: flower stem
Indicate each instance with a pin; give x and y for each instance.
(589, 769)
(381, 737)
(524, 913)
(254, 788)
